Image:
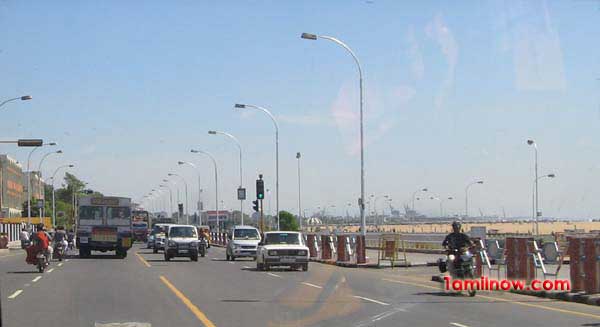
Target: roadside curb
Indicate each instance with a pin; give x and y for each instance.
(579, 297)
(372, 265)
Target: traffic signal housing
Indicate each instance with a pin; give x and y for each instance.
(255, 205)
(260, 189)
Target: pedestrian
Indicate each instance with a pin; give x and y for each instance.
(24, 237)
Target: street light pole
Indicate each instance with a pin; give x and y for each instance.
(242, 106)
(177, 193)
(537, 227)
(235, 140)
(199, 187)
(29, 181)
(467, 197)
(309, 36)
(414, 194)
(170, 198)
(53, 196)
(298, 155)
(442, 204)
(186, 197)
(25, 97)
(375, 206)
(40, 178)
(535, 209)
(216, 184)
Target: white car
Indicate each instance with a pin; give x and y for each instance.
(181, 241)
(282, 249)
(243, 242)
(159, 236)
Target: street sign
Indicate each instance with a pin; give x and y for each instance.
(241, 193)
(40, 204)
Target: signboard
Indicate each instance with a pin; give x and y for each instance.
(478, 232)
(40, 204)
(105, 201)
(241, 193)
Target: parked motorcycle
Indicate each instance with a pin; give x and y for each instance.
(459, 263)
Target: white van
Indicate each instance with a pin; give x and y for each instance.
(243, 241)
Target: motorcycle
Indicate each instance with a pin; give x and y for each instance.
(459, 263)
(59, 250)
(42, 261)
(202, 247)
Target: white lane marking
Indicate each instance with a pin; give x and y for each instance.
(311, 285)
(66, 260)
(370, 300)
(245, 267)
(457, 324)
(270, 274)
(233, 263)
(36, 279)
(60, 264)
(15, 294)
(50, 270)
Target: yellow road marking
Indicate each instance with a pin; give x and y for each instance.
(199, 314)
(143, 260)
(576, 313)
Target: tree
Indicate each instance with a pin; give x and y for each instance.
(287, 221)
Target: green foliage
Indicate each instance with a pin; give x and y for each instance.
(287, 221)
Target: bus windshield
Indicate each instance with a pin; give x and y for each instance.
(91, 212)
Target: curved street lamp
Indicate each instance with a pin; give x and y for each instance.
(29, 180)
(266, 111)
(467, 196)
(537, 210)
(22, 98)
(216, 185)
(309, 36)
(186, 197)
(53, 196)
(237, 142)
(199, 186)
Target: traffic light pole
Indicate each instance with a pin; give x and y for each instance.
(262, 221)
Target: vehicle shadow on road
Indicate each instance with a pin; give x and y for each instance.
(95, 256)
(23, 272)
(172, 260)
(439, 293)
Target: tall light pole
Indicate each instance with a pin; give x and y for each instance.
(235, 140)
(467, 196)
(243, 106)
(309, 36)
(170, 198)
(199, 187)
(298, 155)
(536, 212)
(23, 98)
(166, 181)
(186, 197)
(442, 204)
(216, 184)
(29, 180)
(537, 227)
(40, 177)
(375, 206)
(414, 194)
(53, 196)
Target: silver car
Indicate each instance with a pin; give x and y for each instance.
(243, 241)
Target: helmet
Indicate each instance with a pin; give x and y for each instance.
(40, 226)
(456, 225)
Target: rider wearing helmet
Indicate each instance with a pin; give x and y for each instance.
(456, 239)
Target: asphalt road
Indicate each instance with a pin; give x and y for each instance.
(213, 292)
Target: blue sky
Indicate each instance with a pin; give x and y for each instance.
(452, 93)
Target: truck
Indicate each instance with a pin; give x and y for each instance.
(104, 224)
(141, 221)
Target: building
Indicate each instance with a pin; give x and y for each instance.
(224, 217)
(12, 192)
(37, 185)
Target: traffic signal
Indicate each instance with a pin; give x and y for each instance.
(260, 189)
(255, 205)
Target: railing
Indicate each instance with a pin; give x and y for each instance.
(12, 231)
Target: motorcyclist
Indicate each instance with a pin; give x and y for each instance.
(40, 243)
(71, 238)
(456, 241)
(60, 236)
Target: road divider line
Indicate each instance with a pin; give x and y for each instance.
(311, 285)
(245, 267)
(36, 279)
(199, 314)
(142, 260)
(270, 274)
(50, 270)
(15, 294)
(66, 260)
(60, 264)
(370, 300)
(409, 283)
(457, 324)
